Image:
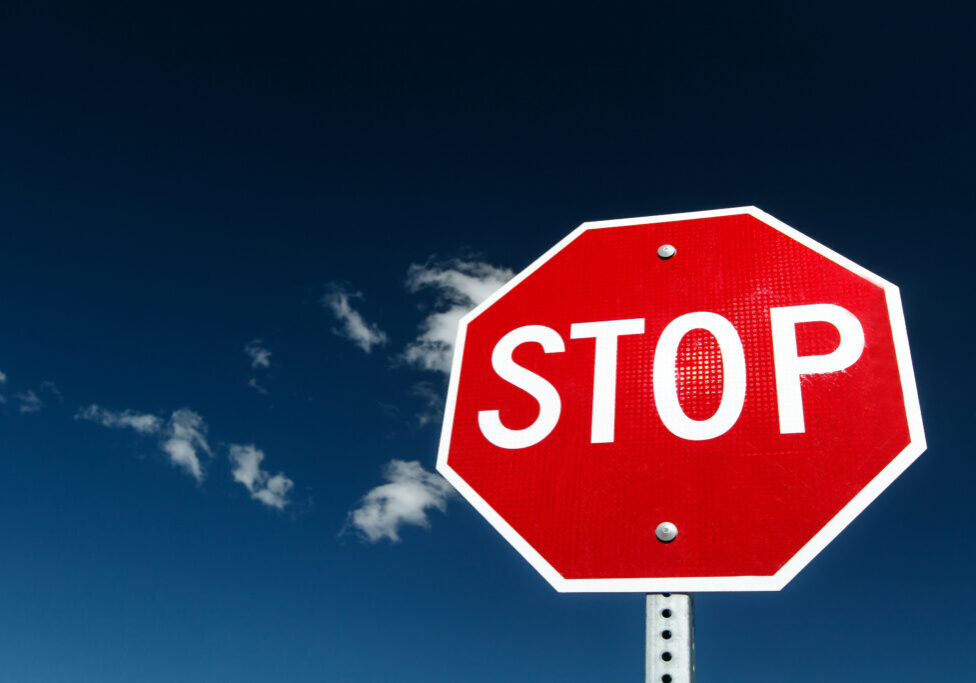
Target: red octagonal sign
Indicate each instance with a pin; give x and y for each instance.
(714, 374)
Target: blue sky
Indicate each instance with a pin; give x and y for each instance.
(233, 239)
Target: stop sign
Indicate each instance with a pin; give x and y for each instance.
(690, 402)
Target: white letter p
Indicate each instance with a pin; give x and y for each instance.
(789, 366)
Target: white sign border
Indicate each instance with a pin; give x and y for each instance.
(687, 584)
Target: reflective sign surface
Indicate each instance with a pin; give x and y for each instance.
(754, 389)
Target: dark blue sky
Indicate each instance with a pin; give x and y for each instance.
(177, 183)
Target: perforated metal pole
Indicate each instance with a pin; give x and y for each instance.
(669, 656)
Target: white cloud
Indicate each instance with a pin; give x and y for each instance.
(352, 325)
(405, 499)
(433, 399)
(459, 287)
(260, 360)
(30, 402)
(254, 384)
(183, 436)
(186, 434)
(141, 422)
(270, 490)
(3, 377)
(259, 355)
(49, 387)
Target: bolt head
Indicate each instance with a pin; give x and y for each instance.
(666, 532)
(666, 251)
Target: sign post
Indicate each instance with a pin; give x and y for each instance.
(669, 653)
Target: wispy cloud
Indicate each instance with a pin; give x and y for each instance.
(50, 388)
(411, 491)
(260, 361)
(352, 325)
(3, 377)
(433, 399)
(30, 402)
(143, 423)
(258, 353)
(458, 286)
(183, 436)
(270, 490)
(254, 384)
(187, 434)
(404, 500)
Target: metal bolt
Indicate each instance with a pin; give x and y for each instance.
(666, 532)
(666, 251)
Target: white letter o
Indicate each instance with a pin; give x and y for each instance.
(733, 377)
